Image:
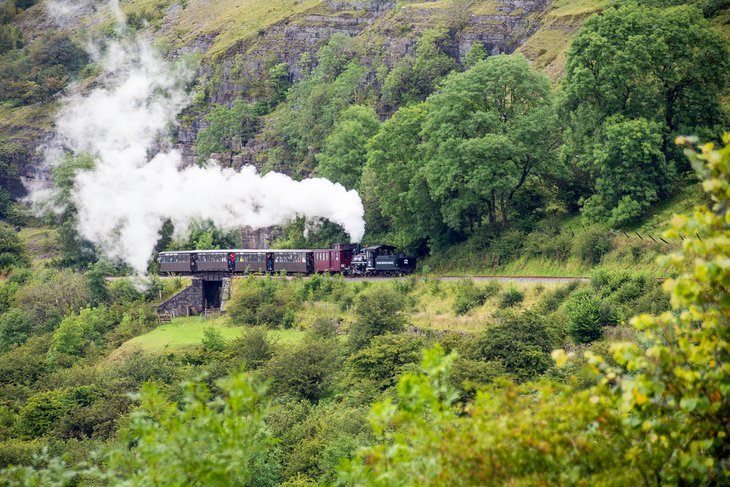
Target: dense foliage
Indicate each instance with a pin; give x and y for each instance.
(649, 406)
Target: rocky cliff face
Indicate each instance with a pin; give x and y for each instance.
(389, 30)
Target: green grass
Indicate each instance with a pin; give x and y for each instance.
(683, 202)
(41, 242)
(230, 21)
(183, 333)
(547, 47)
(576, 7)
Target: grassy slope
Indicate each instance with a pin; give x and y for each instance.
(547, 47)
(184, 333)
(230, 21)
(630, 253)
(433, 308)
(42, 243)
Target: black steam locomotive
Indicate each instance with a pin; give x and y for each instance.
(346, 259)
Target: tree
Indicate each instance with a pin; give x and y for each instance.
(12, 250)
(394, 186)
(15, 329)
(413, 79)
(228, 129)
(658, 71)
(488, 130)
(314, 105)
(345, 148)
(630, 171)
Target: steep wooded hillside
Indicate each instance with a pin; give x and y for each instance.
(238, 42)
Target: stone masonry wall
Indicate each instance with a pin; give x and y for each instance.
(189, 301)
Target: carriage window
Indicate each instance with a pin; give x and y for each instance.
(252, 257)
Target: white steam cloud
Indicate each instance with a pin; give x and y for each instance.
(123, 202)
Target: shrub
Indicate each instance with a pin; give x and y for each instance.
(584, 317)
(25, 363)
(267, 302)
(50, 296)
(507, 247)
(15, 329)
(20, 452)
(270, 314)
(253, 347)
(378, 311)
(554, 246)
(76, 331)
(511, 297)
(591, 245)
(243, 306)
(42, 411)
(12, 249)
(313, 438)
(552, 300)
(468, 296)
(324, 327)
(521, 342)
(212, 340)
(384, 359)
(306, 370)
(470, 375)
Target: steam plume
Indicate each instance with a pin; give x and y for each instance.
(124, 200)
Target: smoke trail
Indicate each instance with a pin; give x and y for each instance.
(124, 200)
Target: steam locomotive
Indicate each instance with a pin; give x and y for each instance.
(346, 259)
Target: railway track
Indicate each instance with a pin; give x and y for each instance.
(507, 279)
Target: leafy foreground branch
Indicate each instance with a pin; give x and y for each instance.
(657, 412)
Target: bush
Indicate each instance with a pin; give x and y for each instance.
(267, 302)
(469, 295)
(243, 306)
(552, 300)
(253, 348)
(19, 452)
(507, 247)
(378, 310)
(76, 331)
(25, 363)
(553, 246)
(12, 249)
(511, 297)
(324, 327)
(212, 340)
(521, 342)
(42, 411)
(584, 317)
(591, 245)
(384, 359)
(306, 370)
(51, 295)
(15, 329)
(470, 375)
(270, 314)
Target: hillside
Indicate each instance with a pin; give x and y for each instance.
(240, 41)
